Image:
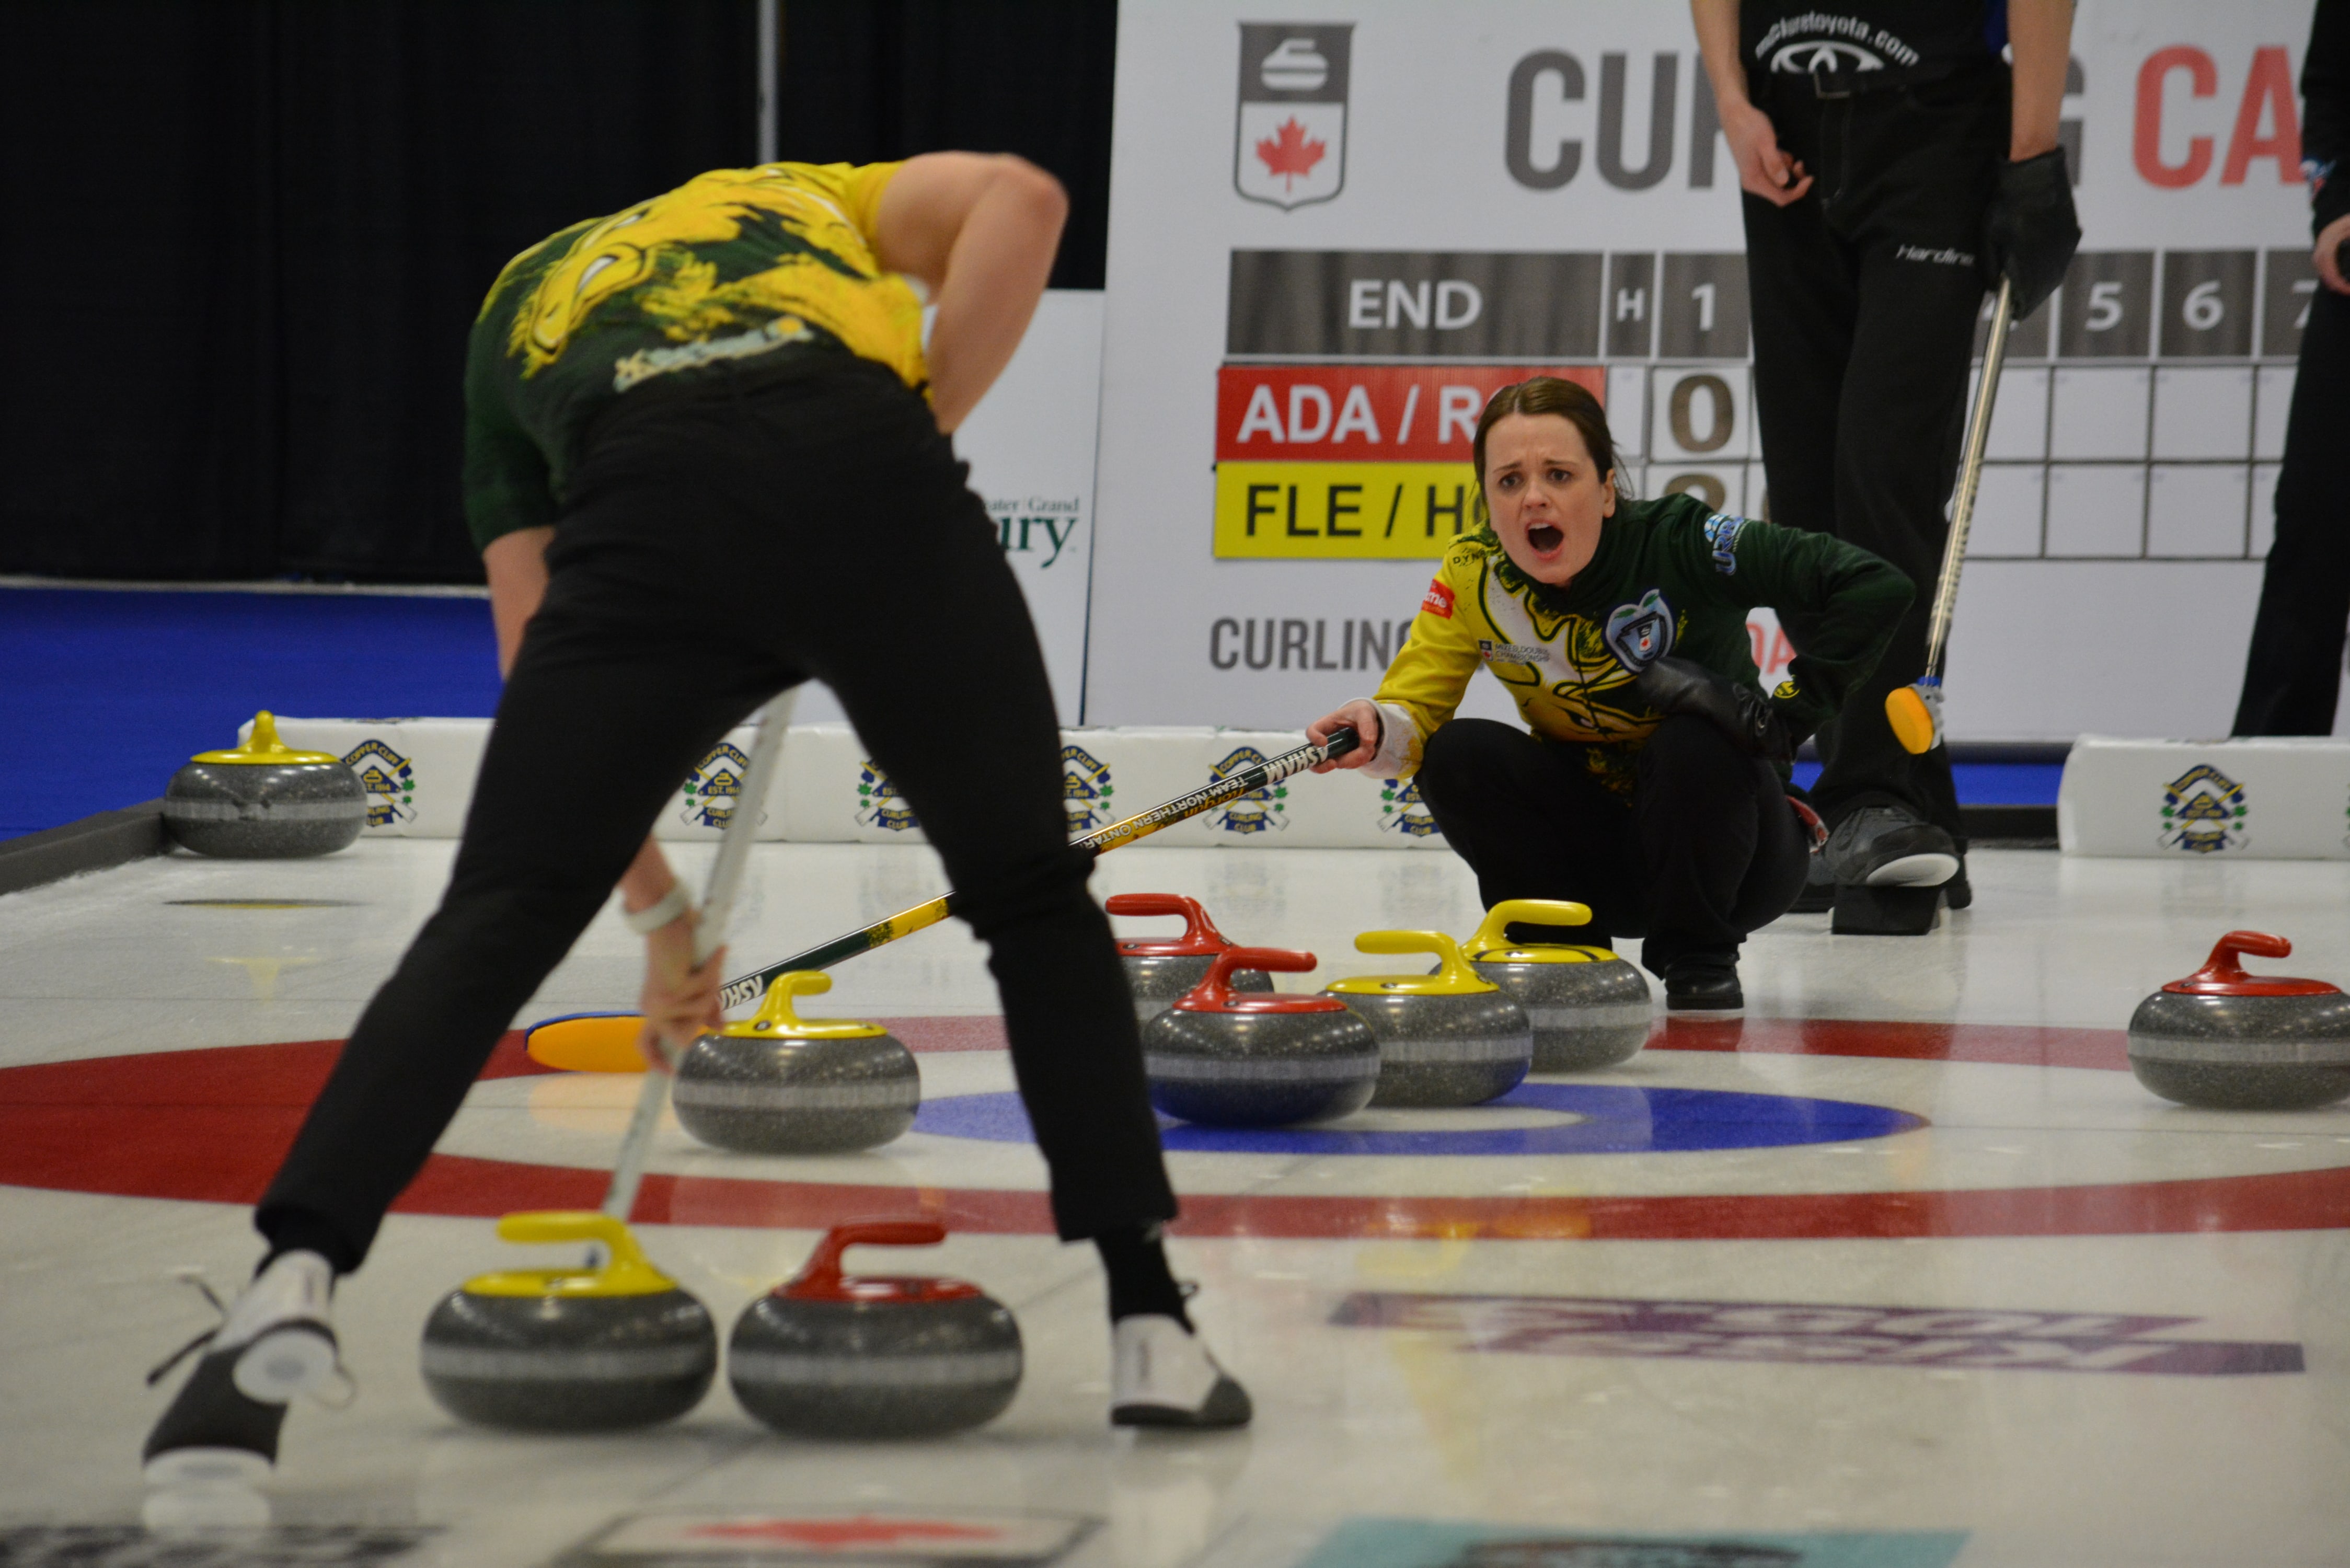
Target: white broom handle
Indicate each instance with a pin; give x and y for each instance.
(1971, 462)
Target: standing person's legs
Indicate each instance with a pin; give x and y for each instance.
(535, 863)
(1722, 855)
(1532, 823)
(2292, 677)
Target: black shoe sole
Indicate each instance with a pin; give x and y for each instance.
(1226, 1405)
(211, 1431)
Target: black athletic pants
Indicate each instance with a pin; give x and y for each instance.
(2294, 673)
(1865, 299)
(1705, 851)
(730, 539)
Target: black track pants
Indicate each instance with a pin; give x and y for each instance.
(1705, 851)
(2294, 673)
(725, 542)
(1865, 299)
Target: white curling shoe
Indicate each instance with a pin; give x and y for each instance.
(1162, 1375)
(275, 1342)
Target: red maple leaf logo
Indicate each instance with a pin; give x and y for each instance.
(862, 1531)
(1288, 152)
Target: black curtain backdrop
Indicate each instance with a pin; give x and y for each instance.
(868, 80)
(245, 238)
(245, 241)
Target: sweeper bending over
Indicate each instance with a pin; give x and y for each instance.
(1652, 786)
(687, 425)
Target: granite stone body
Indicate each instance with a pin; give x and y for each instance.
(910, 1365)
(822, 1095)
(2246, 1053)
(1445, 1050)
(265, 811)
(569, 1364)
(1583, 1015)
(1157, 979)
(1259, 1069)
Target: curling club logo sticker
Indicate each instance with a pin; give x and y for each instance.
(878, 804)
(389, 781)
(1086, 790)
(714, 786)
(2203, 811)
(1402, 811)
(1289, 148)
(1259, 811)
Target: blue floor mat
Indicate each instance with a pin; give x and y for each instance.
(1986, 783)
(105, 693)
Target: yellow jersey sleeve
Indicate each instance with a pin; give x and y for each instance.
(1426, 680)
(861, 192)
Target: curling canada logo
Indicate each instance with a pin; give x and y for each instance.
(2203, 811)
(1086, 790)
(1290, 146)
(714, 786)
(389, 781)
(878, 804)
(1402, 811)
(1259, 811)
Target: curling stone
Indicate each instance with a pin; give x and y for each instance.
(1445, 1039)
(1588, 1007)
(570, 1350)
(780, 1083)
(1258, 1061)
(263, 801)
(828, 1355)
(2232, 1041)
(1158, 970)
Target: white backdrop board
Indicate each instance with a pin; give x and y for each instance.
(1332, 236)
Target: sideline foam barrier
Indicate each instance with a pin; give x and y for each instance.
(419, 774)
(2265, 799)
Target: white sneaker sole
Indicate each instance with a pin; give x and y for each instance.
(1914, 872)
(295, 1358)
(207, 1467)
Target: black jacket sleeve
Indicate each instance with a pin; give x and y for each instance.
(2325, 113)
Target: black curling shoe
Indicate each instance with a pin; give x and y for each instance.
(212, 1433)
(1701, 990)
(1890, 846)
(1162, 1375)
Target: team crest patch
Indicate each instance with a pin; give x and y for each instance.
(389, 781)
(1722, 531)
(1640, 634)
(1290, 144)
(2203, 811)
(1402, 811)
(1259, 811)
(878, 804)
(714, 787)
(1086, 790)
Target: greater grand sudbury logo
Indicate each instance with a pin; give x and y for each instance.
(1402, 811)
(714, 786)
(2203, 811)
(389, 781)
(1290, 145)
(1086, 790)
(878, 804)
(1260, 810)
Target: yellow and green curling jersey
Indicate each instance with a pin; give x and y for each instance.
(732, 265)
(1670, 577)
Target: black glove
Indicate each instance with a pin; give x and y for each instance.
(2030, 232)
(1737, 710)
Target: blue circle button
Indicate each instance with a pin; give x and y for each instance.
(1608, 1119)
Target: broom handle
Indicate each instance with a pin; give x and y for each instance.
(1962, 498)
(709, 935)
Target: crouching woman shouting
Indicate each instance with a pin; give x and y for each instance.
(1652, 786)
